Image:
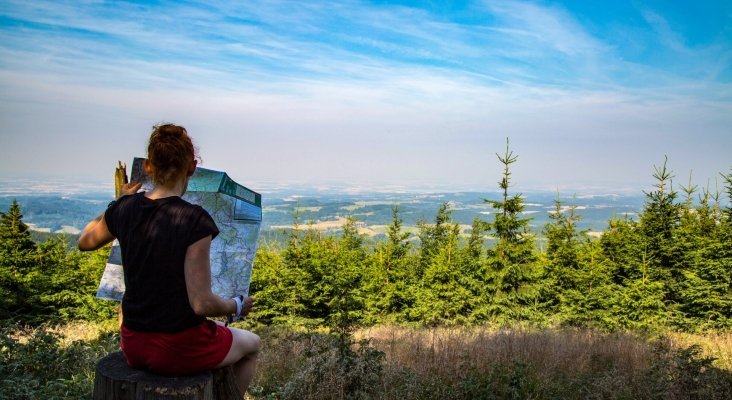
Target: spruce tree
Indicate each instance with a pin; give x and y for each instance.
(388, 283)
(17, 260)
(433, 237)
(661, 215)
(308, 261)
(622, 244)
(475, 273)
(563, 241)
(513, 260)
(728, 188)
(442, 297)
(704, 240)
(562, 254)
(344, 276)
(14, 233)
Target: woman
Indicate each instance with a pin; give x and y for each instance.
(166, 243)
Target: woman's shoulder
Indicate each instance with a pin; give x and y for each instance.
(128, 199)
(190, 207)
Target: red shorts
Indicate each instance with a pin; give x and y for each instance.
(181, 353)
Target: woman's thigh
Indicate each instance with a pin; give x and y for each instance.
(243, 344)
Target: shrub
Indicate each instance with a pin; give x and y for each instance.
(36, 364)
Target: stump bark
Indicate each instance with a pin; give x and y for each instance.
(115, 380)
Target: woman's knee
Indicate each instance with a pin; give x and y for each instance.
(245, 342)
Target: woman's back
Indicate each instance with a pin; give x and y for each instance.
(154, 235)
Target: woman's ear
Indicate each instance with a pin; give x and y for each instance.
(192, 168)
(147, 167)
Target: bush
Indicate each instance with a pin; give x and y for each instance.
(318, 366)
(36, 364)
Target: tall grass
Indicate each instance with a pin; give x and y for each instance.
(454, 363)
(717, 345)
(393, 362)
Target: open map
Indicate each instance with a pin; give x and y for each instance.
(237, 212)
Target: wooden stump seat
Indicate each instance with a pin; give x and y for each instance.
(115, 380)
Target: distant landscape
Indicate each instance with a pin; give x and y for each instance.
(55, 207)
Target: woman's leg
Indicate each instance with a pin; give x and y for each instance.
(243, 356)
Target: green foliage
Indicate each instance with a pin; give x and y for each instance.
(14, 234)
(346, 304)
(577, 283)
(512, 284)
(442, 297)
(41, 367)
(47, 281)
(670, 268)
(388, 282)
(728, 188)
(658, 222)
(433, 237)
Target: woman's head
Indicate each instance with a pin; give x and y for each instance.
(171, 154)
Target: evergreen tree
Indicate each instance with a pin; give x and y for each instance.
(388, 283)
(562, 261)
(397, 240)
(591, 303)
(14, 233)
(309, 261)
(62, 284)
(703, 252)
(46, 282)
(345, 275)
(476, 240)
(658, 221)
(728, 188)
(577, 283)
(433, 237)
(476, 274)
(512, 260)
(442, 298)
(622, 244)
(276, 283)
(563, 245)
(17, 258)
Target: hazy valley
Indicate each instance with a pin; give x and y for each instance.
(61, 208)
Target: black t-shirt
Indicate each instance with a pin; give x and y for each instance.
(154, 236)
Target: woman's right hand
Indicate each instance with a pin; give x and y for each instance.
(129, 188)
(246, 306)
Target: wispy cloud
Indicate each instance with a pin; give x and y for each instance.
(405, 85)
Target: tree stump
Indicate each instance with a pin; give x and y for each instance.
(115, 380)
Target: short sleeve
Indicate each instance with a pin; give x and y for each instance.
(204, 226)
(115, 214)
(109, 218)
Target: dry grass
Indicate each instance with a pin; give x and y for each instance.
(83, 330)
(455, 363)
(429, 350)
(716, 345)
(576, 350)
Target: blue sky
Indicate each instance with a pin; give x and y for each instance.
(590, 93)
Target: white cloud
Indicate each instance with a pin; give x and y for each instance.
(349, 92)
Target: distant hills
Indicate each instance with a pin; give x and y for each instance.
(65, 209)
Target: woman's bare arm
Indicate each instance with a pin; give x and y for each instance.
(197, 268)
(96, 233)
